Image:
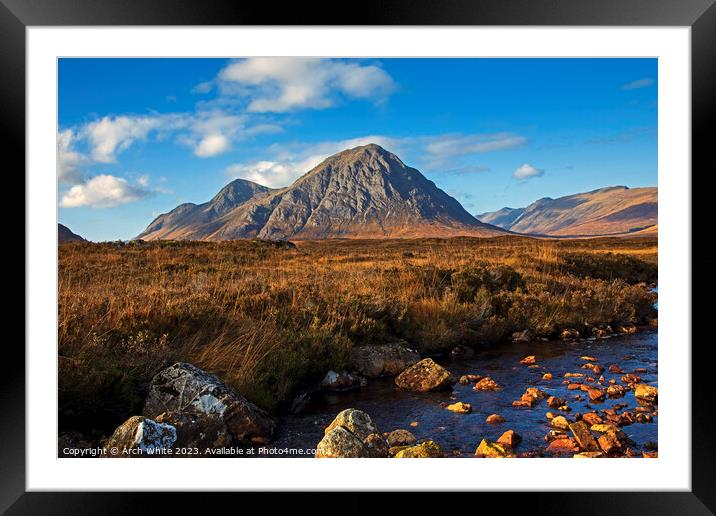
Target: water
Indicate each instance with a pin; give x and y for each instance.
(459, 434)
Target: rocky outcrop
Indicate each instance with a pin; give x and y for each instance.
(140, 436)
(383, 360)
(185, 389)
(425, 376)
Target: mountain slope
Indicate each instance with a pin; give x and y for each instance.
(186, 219)
(64, 234)
(365, 192)
(607, 211)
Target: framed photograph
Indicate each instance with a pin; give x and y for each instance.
(279, 252)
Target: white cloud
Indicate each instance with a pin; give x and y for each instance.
(639, 83)
(104, 191)
(461, 145)
(280, 84)
(110, 135)
(527, 171)
(267, 173)
(68, 159)
(212, 145)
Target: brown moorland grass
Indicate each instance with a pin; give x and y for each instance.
(271, 319)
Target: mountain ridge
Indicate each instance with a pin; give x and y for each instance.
(612, 210)
(363, 192)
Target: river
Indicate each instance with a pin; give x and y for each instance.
(459, 434)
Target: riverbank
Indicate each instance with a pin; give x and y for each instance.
(271, 319)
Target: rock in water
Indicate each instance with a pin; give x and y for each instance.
(487, 384)
(583, 437)
(425, 376)
(509, 439)
(352, 434)
(400, 438)
(384, 360)
(341, 443)
(186, 389)
(460, 407)
(357, 421)
(202, 432)
(342, 381)
(646, 392)
(488, 449)
(426, 450)
(140, 433)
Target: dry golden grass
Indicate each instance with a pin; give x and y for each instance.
(272, 320)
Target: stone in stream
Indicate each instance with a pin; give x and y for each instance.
(547, 376)
(464, 380)
(595, 394)
(627, 328)
(510, 439)
(592, 418)
(206, 431)
(425, 376)
(555, 402)
(588, 455)
(610, 443)
(560, 422)
(589, 359)
(487, 384)
(600, 333)
(352, 434)
(383, 360)
(616, 391)
(425, 450)
(342, 381)
(531, 396)
(494, 419)
(569, 334)
(615, 369)
(140, 433)
(490, 450)
(400, 438)
(522, 336)
(563, 446)
(646, 392)
(583, 436)
(186, 389)
(460, 408)
(529, 360)
(356, 421)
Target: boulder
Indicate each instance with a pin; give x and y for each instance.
(140, 434)
(522, 336)
(610, 443)
(425, 376)
(460, 407)
(509, 439)
(400, 438)
(569, 334)
(583, 436)
(646, 392)
(352, 434)
(186, 389)
(490, 450)
(383, 360)
(342, 381)
(193, 431)
(341, 443)
(356, 421)
(487, 384)
(547, 376)
(494, 419)
(426, 450)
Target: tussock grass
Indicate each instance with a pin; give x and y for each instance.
(271, 320)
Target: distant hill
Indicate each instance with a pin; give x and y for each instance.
(608, 211)
(365, 192)
(64, 234)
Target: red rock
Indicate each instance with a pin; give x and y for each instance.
(555, 402)
(547, 376)
(595, 394)
(509, 439)
(487, 384)
(615, 369)
(574, 386)
(530, 360)
(520, 403)
(563, 445)
(592, 418)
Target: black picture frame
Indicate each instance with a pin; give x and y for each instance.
(700, 15)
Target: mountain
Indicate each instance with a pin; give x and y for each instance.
(187, 220)
(608, 211)
(365, 192)
(64, 234)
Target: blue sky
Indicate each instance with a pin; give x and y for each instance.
(136, 137)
